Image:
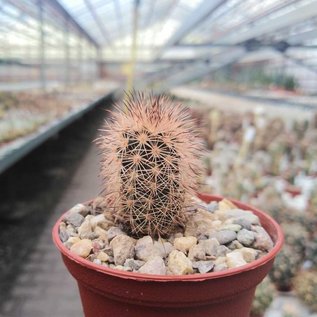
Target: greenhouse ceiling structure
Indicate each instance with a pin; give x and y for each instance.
(178, 40)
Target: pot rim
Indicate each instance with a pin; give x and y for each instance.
(177, 278)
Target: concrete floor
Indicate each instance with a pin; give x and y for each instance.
(44, 288)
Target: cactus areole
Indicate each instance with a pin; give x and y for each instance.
(149, 164)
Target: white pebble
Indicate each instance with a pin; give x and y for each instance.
(179, 264)
(82, 247)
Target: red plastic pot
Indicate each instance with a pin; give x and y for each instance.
(114, 293)
(293, 190)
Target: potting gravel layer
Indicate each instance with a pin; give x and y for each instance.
(218, 236)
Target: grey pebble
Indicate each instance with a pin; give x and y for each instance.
(63, 235)
(222, 250)
(113, 232)
(203, 266)
(155, 265)
(235, 244)
(243, 222)
(74, 219)
(262, 239)
(210, 246)
(133, 264)
(71, 231)
(79, 209)
(225, 236)
(220, 267)
(243, 214)
(246, 237)
(213, 206)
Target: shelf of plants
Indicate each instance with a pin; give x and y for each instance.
(28, 119)
(269, 162)
(286, 92)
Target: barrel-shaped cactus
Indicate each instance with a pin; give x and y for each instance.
(305, 285)
(285, 267)
(311, 251)
(150, 164)
(296, 236)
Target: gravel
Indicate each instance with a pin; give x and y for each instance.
(219, 236)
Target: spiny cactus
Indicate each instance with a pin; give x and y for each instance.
(264, 295)
(296, 236)
(305, 285)
(150, 164)
(311, 251)
(285, 267)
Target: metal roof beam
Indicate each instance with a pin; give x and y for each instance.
(25, 10)
(72, 21)
(302, 37)
(299, 14)
(261, 45)
(98, 21)
(200, 69)
(197, 17)
(63, 13)
(300, 63)
(119, 16)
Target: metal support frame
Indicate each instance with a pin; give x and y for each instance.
(73, 22)
(21, 21)
(197, 17)
(42, 44)
(130, 79)
(98, 21)
(80, 59)
(119, 16)
(200, 69)
(300, 63)
(98, 63)
(66, 51)
(63, 13)
(302, 13)
(278, 6)
(302, 37)
(164, 14)
(259, 44)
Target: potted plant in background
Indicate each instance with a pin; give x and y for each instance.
(149, 246)
(305, 285)
(264, 295)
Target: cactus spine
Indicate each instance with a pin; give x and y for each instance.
(150, 164)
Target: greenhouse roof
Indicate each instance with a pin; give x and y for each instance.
(166, 31)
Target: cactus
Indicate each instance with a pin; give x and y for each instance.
(296, 236)
(311, 251)
(305, 285)
(285, 267)
(150, 165)
(264, 295)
